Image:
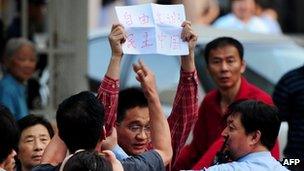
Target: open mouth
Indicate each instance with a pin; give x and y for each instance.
(139, 146)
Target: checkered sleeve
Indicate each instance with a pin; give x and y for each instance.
(108, 96)
(185, 111)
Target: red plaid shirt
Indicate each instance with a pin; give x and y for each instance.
(184, 111)
(108, 96)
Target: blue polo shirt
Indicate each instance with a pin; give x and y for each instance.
(260, 161)
(13, 96)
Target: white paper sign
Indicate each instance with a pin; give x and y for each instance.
(153, 28)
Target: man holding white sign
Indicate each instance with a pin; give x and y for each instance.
(184, 113)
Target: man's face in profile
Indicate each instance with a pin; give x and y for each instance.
(238, 142)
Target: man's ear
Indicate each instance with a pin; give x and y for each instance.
(243, 66)
(104, 132)
(255, 137)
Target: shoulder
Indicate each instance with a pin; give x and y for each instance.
(211, 96)
(293, 76)
(248, 166)
(209, 99)
(7, 85)
(224, 20)
(256, 24)
(46, 167)
(255, 93)
(149, 161)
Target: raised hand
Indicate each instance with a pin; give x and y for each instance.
(189, 36)
(116, 38)
(146, 78)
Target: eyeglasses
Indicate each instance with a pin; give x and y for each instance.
(138, 129)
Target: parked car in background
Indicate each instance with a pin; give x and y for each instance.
(267, 57)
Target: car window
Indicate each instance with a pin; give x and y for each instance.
(266, 63)
(272, 61)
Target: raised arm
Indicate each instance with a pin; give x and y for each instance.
(189, 36)
(109, 87)
(160, 133)
(185, 106)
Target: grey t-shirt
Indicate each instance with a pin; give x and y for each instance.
(148, 161)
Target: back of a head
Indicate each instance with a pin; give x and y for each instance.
(80, 119)
(8, 132)
(31, 120)
(130, 98)
(256, 115)
(85, 160)
(221, 42)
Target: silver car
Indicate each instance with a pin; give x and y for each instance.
(267, 57)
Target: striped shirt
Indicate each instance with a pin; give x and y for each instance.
(289, 98)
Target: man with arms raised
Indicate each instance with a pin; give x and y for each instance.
(133, 115)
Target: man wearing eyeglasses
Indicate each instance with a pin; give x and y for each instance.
(132, 123)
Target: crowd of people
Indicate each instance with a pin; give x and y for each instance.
(234, 128)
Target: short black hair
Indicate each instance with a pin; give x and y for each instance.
(80, 119)
(87, 160)
(130, 98)
(223, 42)
(9, 133)
(256, 115)
(31, 120)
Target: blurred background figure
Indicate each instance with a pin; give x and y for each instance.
(36, 133)
(242, 17)
(35, 24)
(20, 62)
(201, 11)
(107, 15)
(268, 14)
(9, 139)
(36, 19)
(107, 12)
